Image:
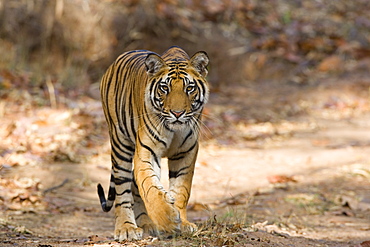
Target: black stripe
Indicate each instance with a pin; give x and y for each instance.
(118, 142)
(146, 114)
(123, 180)
(135, 184)
(137, 62)
(120, 67)
(142, 183)
(151, 132)
(172, 174)
(177, 157)
(124, 192)
(186, 138)
(167, 128)
(153, 83)
(181, 155)
(201, 84)
(129, 149)
(108, 84)
(116, 166)
(137, 217)
(155, 187)
(119, 156)
(175, 174)
(122, 203)
(171, 73)
(148, 168)
(151, 151)
(131, 62)
(131, 119)
(129, 222)
(154, 99)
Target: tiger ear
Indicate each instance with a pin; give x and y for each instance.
(153, 64)
(200, 61)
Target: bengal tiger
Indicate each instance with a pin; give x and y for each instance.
(153, 106)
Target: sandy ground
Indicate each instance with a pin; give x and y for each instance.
(306, 183)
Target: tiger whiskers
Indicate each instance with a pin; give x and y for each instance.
(212, 117)
(153, 117)
(160, 122)
(201, 127)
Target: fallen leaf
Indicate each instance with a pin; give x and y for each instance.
(279, 179)
(365, 243)
(198, 206)
(331, 63)
(96, 238)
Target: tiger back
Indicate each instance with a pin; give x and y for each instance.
(153, 106)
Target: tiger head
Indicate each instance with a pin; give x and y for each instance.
(177, 90)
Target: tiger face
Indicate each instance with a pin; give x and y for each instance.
(177, 91)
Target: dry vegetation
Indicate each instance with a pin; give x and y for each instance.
(72, 42)
(280, 70)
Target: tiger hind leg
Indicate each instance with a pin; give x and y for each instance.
(125, 223)
(125, 228)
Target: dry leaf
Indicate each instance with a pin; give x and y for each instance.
(96, 238)
(198, 206)
(331, 63)
(279, 179)
(365, 243)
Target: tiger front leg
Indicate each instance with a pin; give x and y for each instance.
(141, 215)
(159, 203)
(181, 171)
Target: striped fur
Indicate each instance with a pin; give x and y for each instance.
(153, 107)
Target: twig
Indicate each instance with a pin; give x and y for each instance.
(51, 90)
(56, 187)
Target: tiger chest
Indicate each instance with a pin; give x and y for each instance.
(180, 144)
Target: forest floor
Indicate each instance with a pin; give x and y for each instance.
(280, 164)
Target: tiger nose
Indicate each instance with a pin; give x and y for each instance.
(177, 114)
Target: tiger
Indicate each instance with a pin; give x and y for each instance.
(153, 107)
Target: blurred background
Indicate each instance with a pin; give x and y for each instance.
(71, 43)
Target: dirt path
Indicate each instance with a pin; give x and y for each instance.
(301, 181)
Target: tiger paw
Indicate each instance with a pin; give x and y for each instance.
(187, 227)
(127, 231)
(150, 230)
(164, 214)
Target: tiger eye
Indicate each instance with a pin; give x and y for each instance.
(164, 88)
(189, 88)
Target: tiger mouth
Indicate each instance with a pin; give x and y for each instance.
(177, 122)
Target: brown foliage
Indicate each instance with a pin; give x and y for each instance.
(74, 41)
